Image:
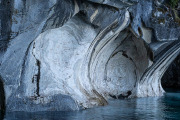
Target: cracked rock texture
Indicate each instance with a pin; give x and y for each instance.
(63, 55)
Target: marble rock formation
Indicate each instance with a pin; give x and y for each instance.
(60, 55)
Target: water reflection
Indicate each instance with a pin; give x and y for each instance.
(166, 107)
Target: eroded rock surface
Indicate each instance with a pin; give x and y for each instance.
(72, 54)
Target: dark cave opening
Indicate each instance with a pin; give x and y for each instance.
(171, 78)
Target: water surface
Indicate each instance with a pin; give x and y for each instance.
(152, 108)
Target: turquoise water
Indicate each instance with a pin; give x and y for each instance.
(152, 108)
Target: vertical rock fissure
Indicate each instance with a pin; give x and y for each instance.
(2, 98)
(38, 75)
(38, 63)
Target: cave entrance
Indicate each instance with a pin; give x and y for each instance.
(171, 78)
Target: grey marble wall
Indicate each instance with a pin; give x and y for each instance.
(71, 54)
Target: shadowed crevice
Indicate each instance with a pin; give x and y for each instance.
(2, 99)
(171, 78)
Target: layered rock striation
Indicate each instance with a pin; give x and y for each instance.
(62, 55)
